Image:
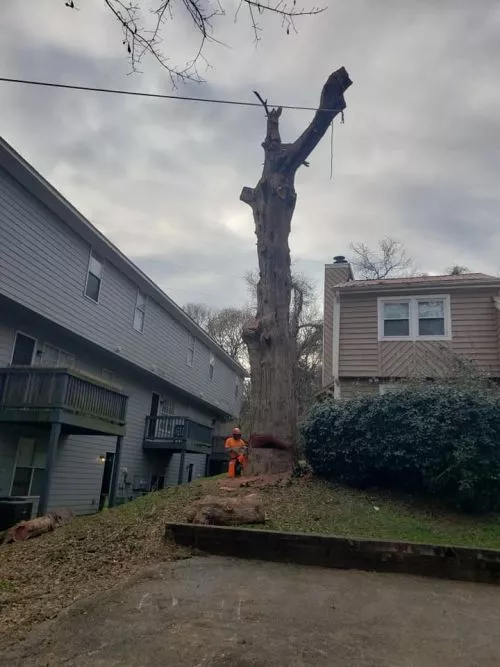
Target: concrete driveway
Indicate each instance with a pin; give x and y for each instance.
(216, 612)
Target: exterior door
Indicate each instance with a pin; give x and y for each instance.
(106, 478)
(24, 349)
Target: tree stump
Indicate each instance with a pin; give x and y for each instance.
(268, 456)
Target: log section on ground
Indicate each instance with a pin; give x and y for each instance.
(217, 511)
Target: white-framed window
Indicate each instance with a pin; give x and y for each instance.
(139, 312)
(29, 472)
(53, 357)
(414, 318)
(211, 367)
(190, 350)
(94, 278)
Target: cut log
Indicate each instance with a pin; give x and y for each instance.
(24, 530)
(215, 511)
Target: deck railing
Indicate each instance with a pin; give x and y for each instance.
(170, 428)
(33, 388)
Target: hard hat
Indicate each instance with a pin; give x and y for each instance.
(236, 431)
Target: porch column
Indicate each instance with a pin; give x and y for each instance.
(55, 432)
(182, 464)
(116, 472)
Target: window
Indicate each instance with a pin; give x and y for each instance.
(54, 357)
(211, 367)
(24, 348)
(140, 312)
(396, 319)
(94, 277)
(413, 318)
(431, 318)
(190, 352)
(29, 474)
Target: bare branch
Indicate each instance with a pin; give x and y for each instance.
(389, 260)
(144, 37)
(331, 103)
(263, 102)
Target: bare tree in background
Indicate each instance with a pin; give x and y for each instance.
(200, 313)
(226, 328)
(144, 24)
(388, 260)
(270, 336)
(224, 325)
(457, 270)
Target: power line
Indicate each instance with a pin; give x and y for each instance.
(136, 93)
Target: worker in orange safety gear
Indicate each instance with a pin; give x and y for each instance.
(238, 453)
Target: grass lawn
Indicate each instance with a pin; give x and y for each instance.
(40, 577)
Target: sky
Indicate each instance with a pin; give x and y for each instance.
(417, 158)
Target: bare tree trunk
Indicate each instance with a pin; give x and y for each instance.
(271, 336)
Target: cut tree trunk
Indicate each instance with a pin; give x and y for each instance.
(217, 511)
(271, 336)
(25, 530)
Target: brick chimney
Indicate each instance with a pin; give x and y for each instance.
(335, 274)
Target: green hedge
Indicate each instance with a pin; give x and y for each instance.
(441, 440)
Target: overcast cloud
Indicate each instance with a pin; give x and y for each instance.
(417, 158)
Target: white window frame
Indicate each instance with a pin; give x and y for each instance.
(33, 468)
(413, 302)
(211, 368)
(93, 255)
(140, 308)
(191, 350)
(35, 346)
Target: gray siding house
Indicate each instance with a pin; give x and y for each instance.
(107, 388)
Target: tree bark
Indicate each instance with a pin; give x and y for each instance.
(270, 337)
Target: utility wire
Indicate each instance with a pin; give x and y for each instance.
(185, 98)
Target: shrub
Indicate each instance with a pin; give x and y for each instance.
(442, 440)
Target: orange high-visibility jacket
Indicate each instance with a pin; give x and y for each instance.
(234, 446)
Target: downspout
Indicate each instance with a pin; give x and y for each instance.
(336, 344)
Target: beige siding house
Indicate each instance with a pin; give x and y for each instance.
(379, 332)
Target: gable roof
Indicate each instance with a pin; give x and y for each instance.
(41, 189)
(472, 279)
